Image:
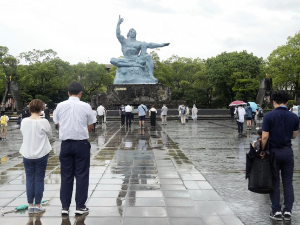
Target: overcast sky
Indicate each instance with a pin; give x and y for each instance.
(85, 29)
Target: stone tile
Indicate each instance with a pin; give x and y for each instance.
(145, 202)
(145, 221)
(145, 212)
(108, 194)
(231, 220)
(204, 185)
(186, 221)
(215, 220)
(106, 211)
(190, 184)
(103, 220)
(166, 187)
(182, 212)
(145, 194)
(198, 195)
(205, 208)
(171, 181)
(106, 202)
(179, 202)
(212, 195)
(176, 194)
(221, 208)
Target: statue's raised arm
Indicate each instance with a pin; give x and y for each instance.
(120, 37)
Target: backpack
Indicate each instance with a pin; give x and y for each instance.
(260, 113)
(182, 109)
(236, 115)
(3, 120)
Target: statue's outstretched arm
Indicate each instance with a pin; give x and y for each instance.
(154, 45)
(120, 37)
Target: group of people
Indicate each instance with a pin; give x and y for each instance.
(184, 113)
(76, 120)
(240, 113)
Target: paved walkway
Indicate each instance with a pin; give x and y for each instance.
(137, 176)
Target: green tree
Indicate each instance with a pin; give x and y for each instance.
(93, 77)
(283, 65)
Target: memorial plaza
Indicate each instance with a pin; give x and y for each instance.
(163, 175)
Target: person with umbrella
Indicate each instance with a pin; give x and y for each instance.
(253, 106)
(240, 111)
(248, 110)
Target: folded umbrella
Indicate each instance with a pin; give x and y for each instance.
(22, 207)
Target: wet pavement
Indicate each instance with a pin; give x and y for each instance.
(174, 174)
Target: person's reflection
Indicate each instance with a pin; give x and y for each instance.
(79, 219)
(35, 220)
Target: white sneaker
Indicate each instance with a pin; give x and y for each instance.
(39, 209)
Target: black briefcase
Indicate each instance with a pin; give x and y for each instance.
(261, 176)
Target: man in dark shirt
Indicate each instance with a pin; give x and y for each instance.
(122, 114)
(279, 127)
(47, 113)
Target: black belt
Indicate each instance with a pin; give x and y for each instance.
(75, 140)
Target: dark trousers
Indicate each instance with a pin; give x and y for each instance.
(47, 117)
(2, 113)
(128, 118)
(74, 162)
(123, 119)
(35, 174)
(240, 127)
(153, 118)
(284, 163)
(253, 117)
(94, 126)
(232, 117)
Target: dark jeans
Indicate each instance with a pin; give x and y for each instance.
(35, 174)
(123, 119)
(240, 127)
(128, 118)
(74, 162)
(253, 117)
(285, 164)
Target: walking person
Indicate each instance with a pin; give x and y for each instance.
(179, 113)
(152, 114)
(35, 151)
(294, 109)
(101, 112)
(4, 123)
(142, 111)
(231, 111)
(75, 120)
(104, 115)
(47, 113)
(194, 113)
(187, 114)
(2, 109)
(128, 110)
(279, 127)
(248, 110)
(182, 111)
(95, 114)
(122, 114)
(164, 113)
(260, 115)
(241, 118)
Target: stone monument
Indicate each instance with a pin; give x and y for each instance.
(137, 66)
(12, 92)
(265, 89)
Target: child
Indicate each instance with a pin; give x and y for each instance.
(256, 144)
(3, 121)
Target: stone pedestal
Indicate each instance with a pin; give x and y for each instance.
(133, 75)
(135, 94)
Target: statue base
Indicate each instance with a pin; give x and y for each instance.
(133, 75)
(135, 94)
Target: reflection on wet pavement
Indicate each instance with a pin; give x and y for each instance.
(137, 176)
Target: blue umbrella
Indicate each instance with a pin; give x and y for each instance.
(253, 105)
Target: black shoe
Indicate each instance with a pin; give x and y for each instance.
(287, 215)
(65, 211)
(83, 210)
(276, 216)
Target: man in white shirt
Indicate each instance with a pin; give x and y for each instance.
(128, 110)
(75, 120)
(164, 113)
(4, 122)
(101, 113)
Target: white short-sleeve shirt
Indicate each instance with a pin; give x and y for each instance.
(73, 117)
(101, 110)
(128, 108)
